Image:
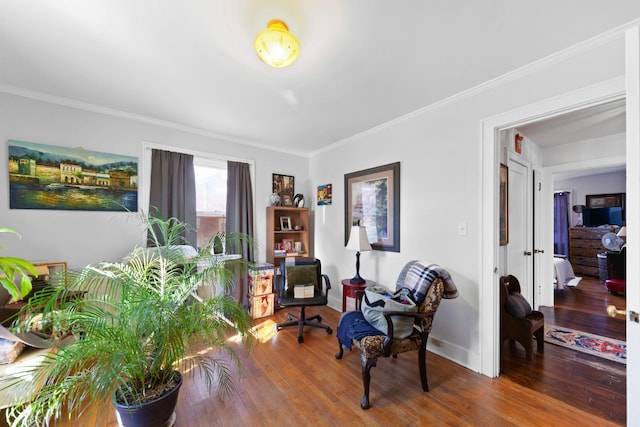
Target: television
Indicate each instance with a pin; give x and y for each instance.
(595, 217)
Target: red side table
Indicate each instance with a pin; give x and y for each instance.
(350, 290)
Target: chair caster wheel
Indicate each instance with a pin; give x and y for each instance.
(300, 340)
(319, 319)
(329, 331)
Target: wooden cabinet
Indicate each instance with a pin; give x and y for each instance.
(287, 229)
(584, 245)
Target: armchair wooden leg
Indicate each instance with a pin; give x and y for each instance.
(367, 364)
(340, 350)
(539, 334)
(422, 361)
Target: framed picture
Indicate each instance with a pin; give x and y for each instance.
(372, 199)
(289, 245)
(324, 194)
(285, 223)
(283, 185)
(504, 205)
(45, 176)
(605, 200)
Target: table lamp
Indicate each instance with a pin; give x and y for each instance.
(358, 241)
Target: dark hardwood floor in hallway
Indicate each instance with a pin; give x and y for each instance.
(590, 383)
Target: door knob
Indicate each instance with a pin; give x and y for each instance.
(527, 253)
(613, 311)
(538, 251)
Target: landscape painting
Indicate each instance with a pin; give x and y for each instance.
(51, 177)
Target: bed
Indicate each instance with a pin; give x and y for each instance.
(565, 277)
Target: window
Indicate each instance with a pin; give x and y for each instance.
(211, 198)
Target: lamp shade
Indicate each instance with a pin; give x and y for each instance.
(358, 240)
(622, 232)
(276, 46)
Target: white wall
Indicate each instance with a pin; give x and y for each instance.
(80, 237)
(439, 149)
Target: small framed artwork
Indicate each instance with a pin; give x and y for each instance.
(289, 245)
(284, 185)
(324, 195)
(605, 200)
(504, 205)
(285, 223)
(372, 199)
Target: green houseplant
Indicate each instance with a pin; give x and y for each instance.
(134, 329)
(11, 267)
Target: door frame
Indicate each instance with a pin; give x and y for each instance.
(491, 265)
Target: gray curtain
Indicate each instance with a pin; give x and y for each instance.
(240, 219)
(173, 189)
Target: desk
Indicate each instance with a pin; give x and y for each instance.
(351, 290)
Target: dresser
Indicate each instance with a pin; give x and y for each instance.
(584, 245)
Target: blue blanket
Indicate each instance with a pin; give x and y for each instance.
(353, 326)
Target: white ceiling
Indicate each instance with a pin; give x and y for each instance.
(594, 122)
(362, 63)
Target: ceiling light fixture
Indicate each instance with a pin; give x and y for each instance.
(276, 46)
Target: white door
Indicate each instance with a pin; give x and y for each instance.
(633, 222)
(519, 248)
(539, 257)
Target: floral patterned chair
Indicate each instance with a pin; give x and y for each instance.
(428, 284)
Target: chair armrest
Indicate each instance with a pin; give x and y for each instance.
(386, 349)
(326, 281)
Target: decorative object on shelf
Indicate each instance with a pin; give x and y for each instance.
(274, 199)
(298, 201)
(324, 194)
(283, 186)
(276, 46)
(358, 241)
(372, 197)
(285, 223)
(504, 204)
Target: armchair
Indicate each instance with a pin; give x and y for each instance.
(517, 321)
(298, 272)
(428, 284)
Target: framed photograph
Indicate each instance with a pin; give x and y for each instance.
(289, 245)
(605, 200)
(284, 185)
(504, 205)
(285, 223)
(324, 194)
(372, 199)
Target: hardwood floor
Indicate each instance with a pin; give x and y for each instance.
(590, 383)
(285, 383)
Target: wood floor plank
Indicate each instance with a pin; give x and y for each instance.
(284, 383)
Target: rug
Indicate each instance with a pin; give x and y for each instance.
(584, 342)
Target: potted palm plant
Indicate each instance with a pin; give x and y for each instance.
(134, 330)
(12, 267)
